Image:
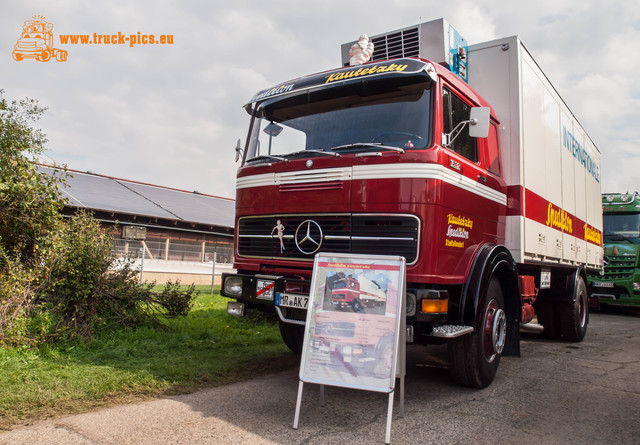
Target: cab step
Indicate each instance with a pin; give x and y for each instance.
(451, 331)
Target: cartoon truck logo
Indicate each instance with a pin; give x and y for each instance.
(36, 42)
(357, 293)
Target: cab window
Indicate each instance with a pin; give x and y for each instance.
(454, 112)
(492, 151)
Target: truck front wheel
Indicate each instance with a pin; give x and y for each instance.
(474, 358)
(293, 336)
(356, 305)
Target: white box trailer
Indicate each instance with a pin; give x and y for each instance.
(551, 165)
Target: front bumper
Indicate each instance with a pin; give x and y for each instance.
(617, 293)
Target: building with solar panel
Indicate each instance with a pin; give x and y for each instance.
(176, 234)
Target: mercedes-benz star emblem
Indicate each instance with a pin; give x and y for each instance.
(308, 237)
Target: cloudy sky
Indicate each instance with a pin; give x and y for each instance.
(171, 114)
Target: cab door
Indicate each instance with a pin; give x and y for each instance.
(473, 195)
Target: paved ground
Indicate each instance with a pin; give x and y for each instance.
(556, 393)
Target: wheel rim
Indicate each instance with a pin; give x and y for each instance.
(582, 310)
(495, 331)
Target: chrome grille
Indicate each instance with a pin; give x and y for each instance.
(620, 267)
(341, 233)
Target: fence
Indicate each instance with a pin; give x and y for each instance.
(173, 250)
(162, 259)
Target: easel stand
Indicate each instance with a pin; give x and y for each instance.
(401, 365)
(401, 374)
(387, 331)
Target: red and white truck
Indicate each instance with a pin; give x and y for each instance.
(463, 159)
(357, 292)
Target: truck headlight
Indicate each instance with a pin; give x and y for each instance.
(235, 308)
(233, 286)
(636, 286)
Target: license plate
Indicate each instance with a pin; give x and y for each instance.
(600, 284)
(265, 289)
(292, 300)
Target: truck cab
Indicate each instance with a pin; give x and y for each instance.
(619, 282)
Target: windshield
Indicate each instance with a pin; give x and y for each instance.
(353, 118)
(622, 226)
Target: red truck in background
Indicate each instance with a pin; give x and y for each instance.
(462, 159)
(357, 293)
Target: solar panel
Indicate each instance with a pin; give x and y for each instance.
(95, 192)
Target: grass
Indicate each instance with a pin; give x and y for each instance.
(206, 348)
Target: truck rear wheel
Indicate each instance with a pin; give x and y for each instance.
(44, 56)
(575, 314)
(474, 358)
(293, 336)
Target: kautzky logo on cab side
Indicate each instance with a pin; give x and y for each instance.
(458, 228)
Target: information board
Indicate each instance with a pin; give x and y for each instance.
(353, 321)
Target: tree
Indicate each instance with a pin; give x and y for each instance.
(29, 199)
(56, 277)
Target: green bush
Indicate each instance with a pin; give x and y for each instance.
(60, 278)
(29, 214)
(89, 288)
(176, 302)
(18, 285)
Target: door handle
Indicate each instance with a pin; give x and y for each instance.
(482, 178)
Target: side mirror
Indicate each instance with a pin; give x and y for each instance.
(239, 151)
(479, 122)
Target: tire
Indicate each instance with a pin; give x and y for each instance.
(575, 315)
(61, 56)
(293, 336)
(44, 56)
(17, 56)
(474, 358)
(356, 305)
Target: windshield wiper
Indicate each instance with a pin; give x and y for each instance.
(621, 236)
(368, 144)
(316, 151)
(266, 157)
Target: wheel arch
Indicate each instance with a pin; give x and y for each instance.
(493, 260)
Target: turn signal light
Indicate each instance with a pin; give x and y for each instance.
(430, 306)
